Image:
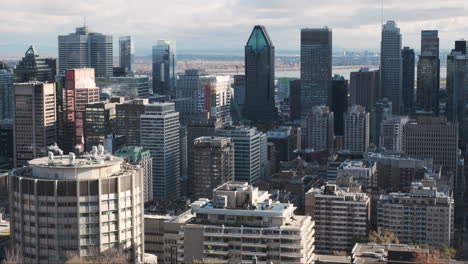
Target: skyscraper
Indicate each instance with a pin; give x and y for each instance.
(164, 67)
(79, 90)
(259, 77)
(127, 54)
(316, 67)
(381, 111)
(34, 68)
(408, 60)
(99, 121)
(319, 128)
(35, 128)
(391, 65)
(427, 98)
(457, 81)
(212, 165)
(356, 129)
(127, 121)
(339, 102)
(364, 88)
(294, 100)
(85, 49)
(391, 133)
(6, 93)
(159, 133)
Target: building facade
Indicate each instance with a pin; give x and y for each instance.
(127, 120)
(391, 133)
(126, 54)
(99, 121)
(391, 65)
(339, 102)
(364, 88)
(356, 129)
(408, 77)
(319, 128)
(6, 94)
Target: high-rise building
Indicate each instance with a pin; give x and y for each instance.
(140, 157)
(127, 120)
(35, 120)
(242, 224)
(364, 88)
(239, 89)
(430, 210)
(408, 62)
(85, 49)
(339, 102)
(126, 54)
(198, 92)
(432, 138)
(316, 67)
(34, 68)
(295, 100)
(164, 67)
(159, 133)
(6, 94)
(427, 98)
(381, 111)
(76, 206)
(79, 90)
(340, 214)
(212, 165)
(7, 143)
(259, 77)
(457, 81)
(391, 65)
(130, 87)
(285, 139)
(391, 133)
(247, 163)
(99, 121)
(283, 87)
(319, 128)
(356, 129)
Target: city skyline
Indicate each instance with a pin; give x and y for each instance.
(224, 23)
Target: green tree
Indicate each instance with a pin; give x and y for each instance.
(384, 237)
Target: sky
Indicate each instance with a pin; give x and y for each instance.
(225, 25)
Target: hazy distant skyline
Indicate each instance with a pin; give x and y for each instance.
(225, 25)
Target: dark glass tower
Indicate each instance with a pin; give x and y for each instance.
(408, 79)
(391, 66)
(259, 77)
(316, 67)
(34, 68)
(339, 104)
(427, 98)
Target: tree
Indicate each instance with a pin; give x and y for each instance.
(110, 256)
(13, 256)
(384, 237)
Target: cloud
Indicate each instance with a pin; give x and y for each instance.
(226, 24)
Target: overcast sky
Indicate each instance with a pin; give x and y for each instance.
(224, 25)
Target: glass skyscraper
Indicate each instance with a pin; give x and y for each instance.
(316, 67)
(127, 53)
(34, 68)
(6, 93)
(391, 65)
(259, 77)
(164, 67)
(408, 59)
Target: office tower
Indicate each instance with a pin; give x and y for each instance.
(285, 139)
(380, 112)
(408, 62)
(6, 94)
(457, 81)
(295, 100)
(391, 133)
(183, 161)
(231, 219)
(79, 90)
(397, 172)
(212, 165)
(284, 87)
(77, 206)
(127, 54)
(34, 115)
(99, 121)
(391, 65)
(85, 49)
(239, 89)
(197, 93)
(34, 68)
(139, 156)
(356, 129)
(427, 98)
(339, 102)
(164, 67)
(259, 77)
(246, 152)
(340, 214)
(316, 67)
(263, 156)
(319, 128)
(7, 143)
(364, 88)
(130, 87)
(430, 210)
(159, 133)
(127, 120)
(432, 138)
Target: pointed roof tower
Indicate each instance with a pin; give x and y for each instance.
(259, 38)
